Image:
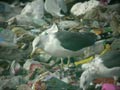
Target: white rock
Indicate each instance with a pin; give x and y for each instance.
(82, 8)
(34, 9)
(68, 24)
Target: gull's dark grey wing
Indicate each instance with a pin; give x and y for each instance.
(75, 40)
(111, 59)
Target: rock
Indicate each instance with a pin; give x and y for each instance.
(31, 65)
(95, 24)
(68, 24)
(28, 64)
(39, 85)
(31, 14)
(7, 53)
(44, 57)
(23, 20)
(116, 44)
(22, 35)
(69, 1)
(56, 84)
(5, 8)
(24, 87)
(15, 67)
(10, 83)
(81, 8)
(34, 9)
(115, 24)
(3, 24)
(9, 49)
(102, 13)
(35, 31)
(6, 11)
(1, 70)
(7, 35)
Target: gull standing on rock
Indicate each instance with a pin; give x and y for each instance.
(61, 43)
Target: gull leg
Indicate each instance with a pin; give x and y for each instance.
(62, 64)
(115, 80)
(68, 62)
(62, 69)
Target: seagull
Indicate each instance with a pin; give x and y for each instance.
(54, 7)
(61, 43)
(106, 65)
